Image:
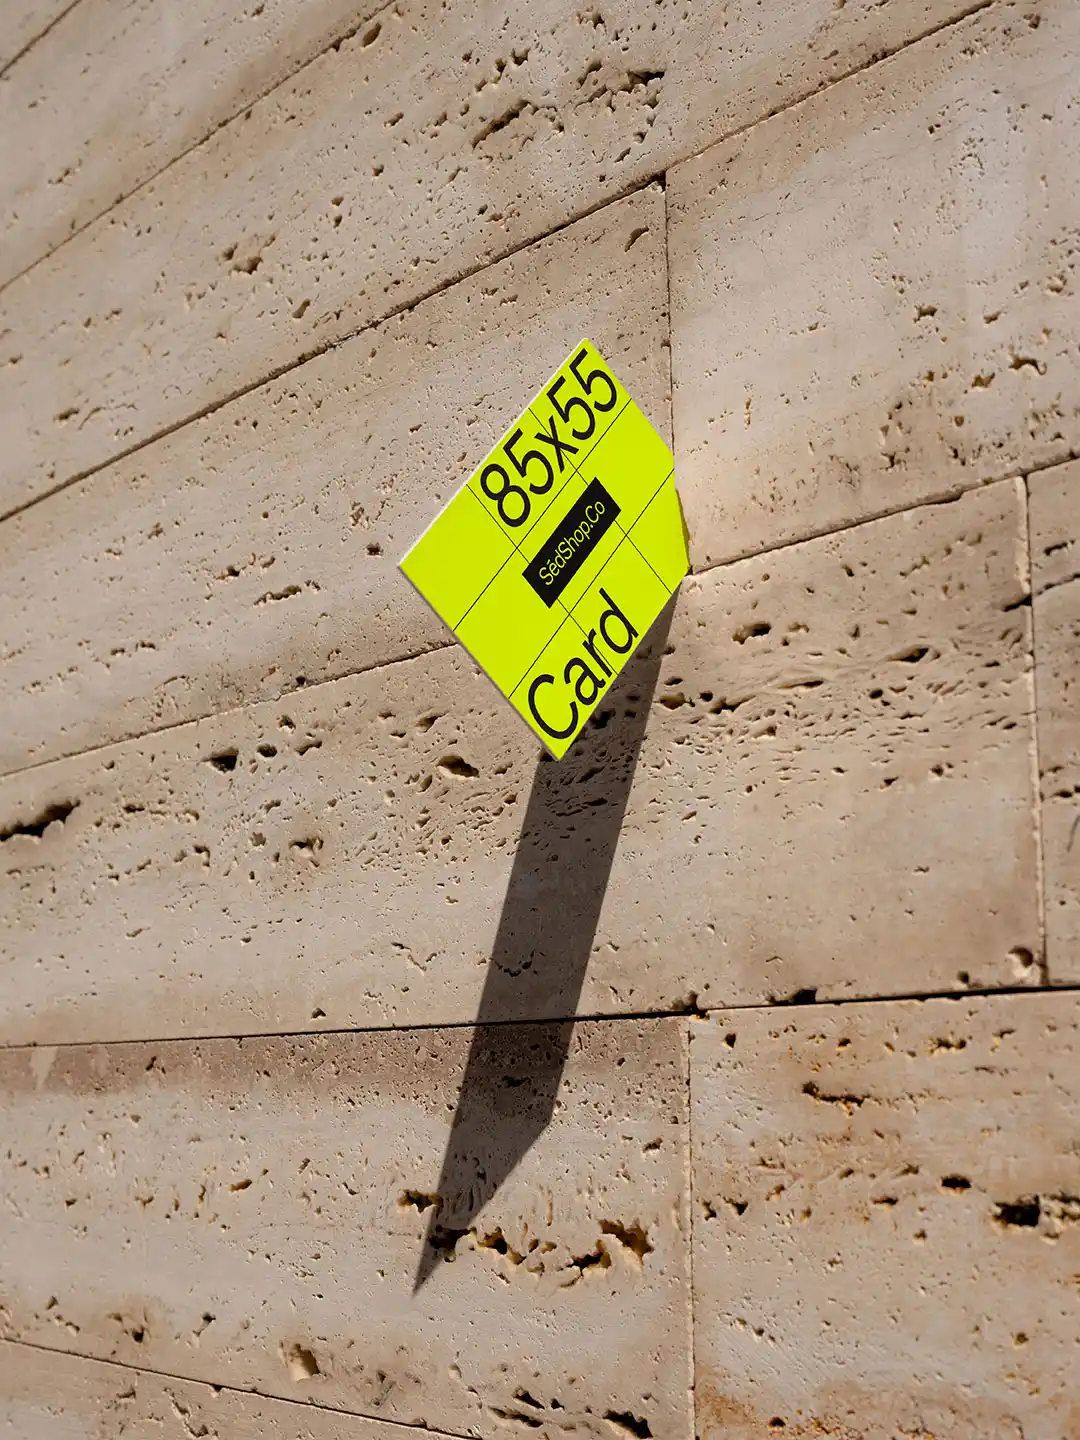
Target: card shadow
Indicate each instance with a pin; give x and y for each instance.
(545, 936)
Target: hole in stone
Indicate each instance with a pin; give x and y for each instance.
(300, 1363)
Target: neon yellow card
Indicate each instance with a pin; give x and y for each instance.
(558, 553)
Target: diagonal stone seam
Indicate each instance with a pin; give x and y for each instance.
(347, 33)
(404, 1426)
(36, 40)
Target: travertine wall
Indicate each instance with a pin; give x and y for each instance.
(360, 1070)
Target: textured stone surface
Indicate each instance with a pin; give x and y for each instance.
(838, 791)
(874, 295)
(377, 174)
(24, 21)
(261, 543)
(252, 1213)
(147, 82)
(1055, 577)
(46, 1395)
(834, 793)
(887, 1220)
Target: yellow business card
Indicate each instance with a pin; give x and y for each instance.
(558, 553)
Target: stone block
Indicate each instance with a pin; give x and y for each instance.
(874, 297)
(253, 1214)
(833, 793)
(887, 1220)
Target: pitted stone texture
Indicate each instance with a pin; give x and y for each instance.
(146, 84)
(874, 295)
(46, 1395)
(839, 768)
(261, 544)
(834, 793)
(25, 21)
(887, 1220)
(1055, 578)
(376, 175)
(252, 1214)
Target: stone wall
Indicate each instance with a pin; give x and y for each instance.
(361, 1068)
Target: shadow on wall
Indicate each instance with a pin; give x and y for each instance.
(546, 933)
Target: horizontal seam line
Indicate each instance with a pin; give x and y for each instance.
(589, 1018)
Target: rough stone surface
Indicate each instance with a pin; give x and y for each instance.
(147, 82)
(834, 793)
(1055, 576)
(253, 1214)
(261, 544)
(24, 21)
(377, 174)
(248, 791)
(46, 1395)
(887, 1220)
(874, 295)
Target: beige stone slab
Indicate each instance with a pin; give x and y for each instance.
(253, 1213)
(1054, 507)
(261, 543)
(874, 297)
(887, 1220)
(376, 175)
(25, 21)
(147, 82)
(47, 1395)
(834, 793)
